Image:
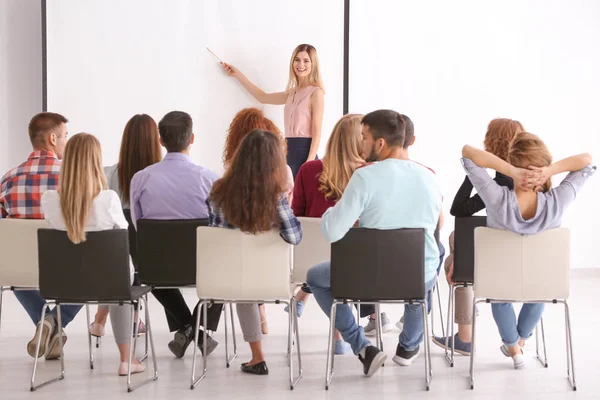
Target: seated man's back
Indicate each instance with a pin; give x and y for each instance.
(175, 188)
(392, 194)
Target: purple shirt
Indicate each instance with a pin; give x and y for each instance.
(174, 188)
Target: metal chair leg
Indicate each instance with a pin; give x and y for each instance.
(293, 337)
(569, 340)
(330, 347)
(544, 360)
(472, 368)
(449, 354)
(378, 327)
(204, 306)
(428, 371)
(33, 386)
(145, 356)
(229, 360)
(132, 347)
(89, 335)
(439, 298)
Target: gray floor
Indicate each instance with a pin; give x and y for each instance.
(496, 379)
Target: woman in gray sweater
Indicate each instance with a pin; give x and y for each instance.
(533, 206)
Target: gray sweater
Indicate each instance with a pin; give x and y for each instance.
(503, 209)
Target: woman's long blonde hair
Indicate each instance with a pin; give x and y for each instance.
(314, 78)
(528, 150)
(343, 156)
(81, 180)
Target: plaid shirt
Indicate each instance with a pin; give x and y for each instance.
(290, 228)
(22, 187)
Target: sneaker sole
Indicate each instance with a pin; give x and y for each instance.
(377, 363)
(384, 329)
(54, 347)
(45, 326)
(404, 362)
(443, 346)
(179, 345)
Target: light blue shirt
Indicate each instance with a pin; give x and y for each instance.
(391, 194)
(175, 188)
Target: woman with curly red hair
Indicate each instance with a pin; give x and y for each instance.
(500, 133)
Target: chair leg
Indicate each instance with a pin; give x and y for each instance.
(378, 327)
(330, 347)
(569, 340)
(293, 336)
(229, 360)
(472, 368)
(33, 386)
(428, 370)
(133, 346)
(544, 360)
(89, 335)
(449, 354)
(439, 299)
(195, 381)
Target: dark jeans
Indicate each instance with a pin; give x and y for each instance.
(178, 313)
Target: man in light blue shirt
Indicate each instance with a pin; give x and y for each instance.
(394, 193)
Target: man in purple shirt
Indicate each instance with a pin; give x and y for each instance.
(176, 188)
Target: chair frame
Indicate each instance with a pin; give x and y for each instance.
(544, 360)
(329, 372)
(132, 341)
(292, 334)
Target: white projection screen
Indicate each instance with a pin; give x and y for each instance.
(109, 59)
(452, 66)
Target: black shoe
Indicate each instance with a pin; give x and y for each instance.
(374, 359)
(256, 369)
(211, 344)
(181, 341)
(404, 357)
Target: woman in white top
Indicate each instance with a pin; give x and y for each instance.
(82, 204)
(304, 100)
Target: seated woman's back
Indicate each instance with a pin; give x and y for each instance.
(529, 209)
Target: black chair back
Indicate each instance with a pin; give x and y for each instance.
(94, 270)
(132, 237)
(166, 251)
(464, 247)
(376, 265)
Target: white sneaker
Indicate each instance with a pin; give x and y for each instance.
(519, 361)
(386, 325)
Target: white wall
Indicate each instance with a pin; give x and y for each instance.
(20, 77)
(454, 66)
(109, 59)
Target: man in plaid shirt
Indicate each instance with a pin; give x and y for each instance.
(21, 189)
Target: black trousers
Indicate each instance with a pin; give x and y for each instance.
(297, 152)
(178, 313)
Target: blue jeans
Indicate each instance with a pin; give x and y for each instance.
(33, 304)
(510, 330)
(412, 331)
(318, 279)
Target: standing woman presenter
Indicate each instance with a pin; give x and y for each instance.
(304, 103)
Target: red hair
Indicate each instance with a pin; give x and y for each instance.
(243, 123)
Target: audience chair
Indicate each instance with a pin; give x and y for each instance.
(19, 262)
(394, 262)
(93, 272)
(513, 268)
(166, 252)
(235, 267)
(464, 231)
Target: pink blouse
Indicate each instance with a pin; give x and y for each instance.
(297, 113)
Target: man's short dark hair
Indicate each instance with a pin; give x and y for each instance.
(175, 130)
(409, 131)
(388, 125)
(43, 123)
